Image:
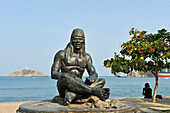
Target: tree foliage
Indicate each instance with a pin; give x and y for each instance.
(146, 52)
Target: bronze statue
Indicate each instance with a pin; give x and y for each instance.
(69, 66)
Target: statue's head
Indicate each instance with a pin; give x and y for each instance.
(78, 39)
(77, 43)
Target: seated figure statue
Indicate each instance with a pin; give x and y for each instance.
(68, 67)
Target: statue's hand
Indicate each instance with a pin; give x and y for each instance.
(91, 79)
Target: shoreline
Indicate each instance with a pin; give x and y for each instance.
(144, 104)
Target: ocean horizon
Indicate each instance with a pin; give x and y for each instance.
(14, 89)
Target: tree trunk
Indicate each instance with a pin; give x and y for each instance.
(155, 89)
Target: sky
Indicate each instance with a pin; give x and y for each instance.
(33, 31)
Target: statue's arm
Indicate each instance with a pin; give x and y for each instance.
(90, 69)
(55, 69)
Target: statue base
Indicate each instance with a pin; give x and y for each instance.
(83, 106)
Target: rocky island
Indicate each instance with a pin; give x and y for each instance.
(141, 74)
(27, 72)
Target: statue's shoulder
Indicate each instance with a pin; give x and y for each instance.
(88, 56)
(60, 54)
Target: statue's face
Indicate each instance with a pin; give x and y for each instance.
(77, 42)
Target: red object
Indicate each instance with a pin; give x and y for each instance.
(166, 75)
(163, 75)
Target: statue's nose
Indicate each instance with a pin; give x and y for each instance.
(78, 40)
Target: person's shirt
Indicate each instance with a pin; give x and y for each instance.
(147, 92)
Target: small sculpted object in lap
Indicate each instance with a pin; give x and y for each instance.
(68, 68)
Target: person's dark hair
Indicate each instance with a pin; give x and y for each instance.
(147, 85)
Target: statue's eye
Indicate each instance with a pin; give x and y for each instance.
(81, 40)
(78, 39)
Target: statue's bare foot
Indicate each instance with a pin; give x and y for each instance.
(67, 103)
(102, 93)
(69, 96)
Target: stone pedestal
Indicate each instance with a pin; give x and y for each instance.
(88, 106)
(48, 107)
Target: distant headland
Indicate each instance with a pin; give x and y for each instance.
(27, 73)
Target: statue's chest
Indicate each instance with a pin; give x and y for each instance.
(76, 61)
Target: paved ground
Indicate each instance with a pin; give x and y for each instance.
(144, 105)
(147, 106)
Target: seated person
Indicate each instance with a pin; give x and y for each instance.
(147, 91)
(68, 68)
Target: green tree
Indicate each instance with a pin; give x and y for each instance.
(144, 52)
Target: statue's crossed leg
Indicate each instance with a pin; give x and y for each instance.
(69, 87)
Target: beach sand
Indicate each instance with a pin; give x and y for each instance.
(145, 105)
(10, 107)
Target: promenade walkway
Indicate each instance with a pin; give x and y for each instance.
(145, 105)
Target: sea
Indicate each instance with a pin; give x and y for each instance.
(13, 89)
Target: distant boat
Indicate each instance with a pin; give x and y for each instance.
(164, 73)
